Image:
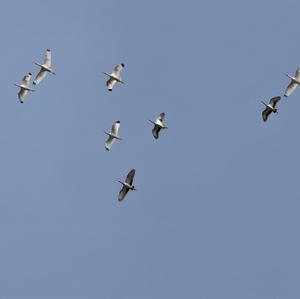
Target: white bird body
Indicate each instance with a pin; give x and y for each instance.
(295, 81)
(45, 68)
(270, 108)
(24, 87)
(114, 76)
(112, 135)
(127, 185)
(158, 125)
(158, 122)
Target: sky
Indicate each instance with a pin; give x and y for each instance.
(216, 211)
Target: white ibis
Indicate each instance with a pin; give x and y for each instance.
(295, 81)
(114, 77)
(127, 185)
(270, 107)
(158, 125)
(45, 68)
(24, 87)
(112, 135)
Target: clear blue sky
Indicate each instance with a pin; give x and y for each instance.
(216, 214)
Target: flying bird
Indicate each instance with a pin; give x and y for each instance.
(45, 68)
(294, 83)
(24, 87)
(127, 185)
(270, 107)
(112, 135)
(158, 125)
(114, 77)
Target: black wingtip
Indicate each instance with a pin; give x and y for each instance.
(29, 74)
(33, 83)
(117, 121)
(48, 50)
(123, 65)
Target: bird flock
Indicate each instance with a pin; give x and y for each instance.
(115, 77)
(271, 107)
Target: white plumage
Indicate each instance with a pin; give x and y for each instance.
(158, 125)
(112, 135)
(45, 68)
(24, 87)
(114, 76)
(295, 81)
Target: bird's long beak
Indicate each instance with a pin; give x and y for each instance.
(289, 76)
(264, 103)
(37, 64)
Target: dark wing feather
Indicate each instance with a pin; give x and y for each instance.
(123, 193)
(130, 176)
(274, 101)
(155, 131)
(266, 113)
(161, 116)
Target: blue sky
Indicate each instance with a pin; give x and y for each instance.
(216, 214)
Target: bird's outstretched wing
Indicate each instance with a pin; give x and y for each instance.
(155, 131)
(117, 70)
(110, 83)
(110, 140)
(40, 76)
(21, 95)
(130, 176)
(26, 80)
(47, 59)
(161, 116)
(266, 113)
(123, 193)
(274, 101)
(291, 87)
(115, 128)
(297, 74)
